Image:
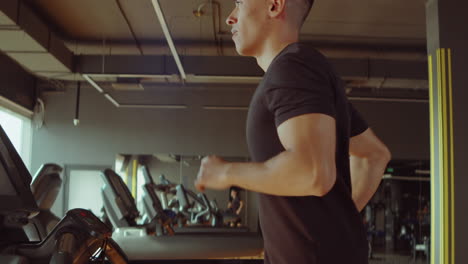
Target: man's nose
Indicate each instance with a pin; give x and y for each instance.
(231, 19)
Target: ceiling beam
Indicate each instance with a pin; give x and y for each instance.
(241, 66)
(17, 85)
(30, 41)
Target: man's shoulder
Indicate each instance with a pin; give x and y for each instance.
(299, 61)
(300, 56)
(302, 52)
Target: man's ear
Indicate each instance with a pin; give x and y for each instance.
(277, 7)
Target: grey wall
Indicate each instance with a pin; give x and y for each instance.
(404, 127)
(105, 131)
(16, 84)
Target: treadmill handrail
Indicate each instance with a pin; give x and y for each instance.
(147, 174)
(126, 197)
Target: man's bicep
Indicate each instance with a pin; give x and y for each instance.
(313, 134)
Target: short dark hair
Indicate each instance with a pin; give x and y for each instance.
(236, 189)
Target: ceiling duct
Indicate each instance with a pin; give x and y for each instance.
(192, 48)
(27, 39)
(127, 84)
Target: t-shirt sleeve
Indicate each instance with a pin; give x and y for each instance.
(296, 87)
(357, 123)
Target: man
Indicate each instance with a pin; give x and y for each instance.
(234, 207)
(298, 132)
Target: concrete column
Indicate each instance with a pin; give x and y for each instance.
(447, 45)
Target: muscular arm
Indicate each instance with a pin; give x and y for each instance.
(368, 159)
(300, 170)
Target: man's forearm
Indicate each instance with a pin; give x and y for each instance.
(287, 174)
(366, 175)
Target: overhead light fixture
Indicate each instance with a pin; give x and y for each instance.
(167, 34)
(128, 86)
(119, 105)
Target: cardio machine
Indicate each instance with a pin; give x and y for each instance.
(191, 208)
(45, 187)
(194, 208)
(78, 238)
(140, 244)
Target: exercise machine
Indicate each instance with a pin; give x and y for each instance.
(45, 187)
(140, 243)
(78, 238)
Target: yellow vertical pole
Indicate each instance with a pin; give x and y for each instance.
(134, 177)
(431, 125)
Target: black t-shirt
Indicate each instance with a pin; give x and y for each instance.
(235, 204)
(306, 229)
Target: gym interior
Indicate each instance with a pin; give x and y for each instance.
(108, 106)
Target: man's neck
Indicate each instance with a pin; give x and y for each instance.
(271, 50)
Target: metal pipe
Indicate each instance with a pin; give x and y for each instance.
(93, 83)
(112, 100)
(167, 34)
(129, 26)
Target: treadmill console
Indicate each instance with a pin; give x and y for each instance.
(89, 223)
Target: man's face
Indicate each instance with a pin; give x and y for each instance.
(248, 21)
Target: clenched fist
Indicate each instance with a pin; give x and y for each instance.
(212, 174)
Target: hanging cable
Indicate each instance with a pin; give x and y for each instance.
(76, 120)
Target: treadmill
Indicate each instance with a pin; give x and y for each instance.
(159, 240)
(45, 187)
(78, 238)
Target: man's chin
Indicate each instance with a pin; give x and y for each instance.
(242, 51)
(239, 50)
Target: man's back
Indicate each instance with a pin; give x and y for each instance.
(305, 229)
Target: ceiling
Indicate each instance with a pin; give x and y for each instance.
(358, 34)
(107, 22)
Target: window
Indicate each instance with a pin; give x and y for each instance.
(18, 128)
